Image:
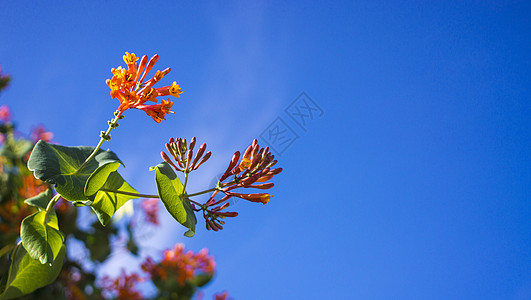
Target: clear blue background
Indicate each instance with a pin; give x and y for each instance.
(414, 184)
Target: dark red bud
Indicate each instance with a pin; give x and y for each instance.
(192, 143)
(247, 153)
(188, 160)
(198, 155)
(255, 161)
(204, 159)
(275, 171)
(230, 214)
(169, 148)
(265, 178)
(168, 160)
(249, 180)
(217, 225)
(232, 164)
(255, 150)
(266, 150)
(263, 186)
(273, 162)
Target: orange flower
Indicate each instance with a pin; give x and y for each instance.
(128, 86)
(123, 287)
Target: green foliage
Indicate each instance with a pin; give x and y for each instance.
(172, 194)
(16, 149)
(201, 279)
(27, 274)
(61, 165)
(97, 179)
(105, 202)
(41, 200)
(41, 237)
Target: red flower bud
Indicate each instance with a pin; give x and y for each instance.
(192, 143)
(263, 186)
(198, 155)
(232, 163)
(168, 160)
(205, 158)
(230, 214)
(188, 160)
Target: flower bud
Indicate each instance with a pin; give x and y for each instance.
(263, 186)
(188, 160)
(230, 214)
(168, 160)
(204, 159)
(232, 163)
(192, 143)
(198, 155)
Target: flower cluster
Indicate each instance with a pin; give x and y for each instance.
(123, 287)
(254, 169)
(129, 87)
(183, 154)
(179, 265)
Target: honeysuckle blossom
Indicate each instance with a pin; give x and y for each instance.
(129, 87)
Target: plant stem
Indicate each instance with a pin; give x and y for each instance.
(50, 205)
(185, 180)
(104, 137)
(6, 249)
(196, 203)
(203, 192)
(130, 194)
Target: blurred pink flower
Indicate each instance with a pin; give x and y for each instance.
(5, 115)
(151, 209)
(40, 133)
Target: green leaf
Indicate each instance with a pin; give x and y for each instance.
(201, 279)
(27, 274)
(41, 200)
(106, 202)
(171, 192)
(99, 177)
(41, 238)
(59, 165)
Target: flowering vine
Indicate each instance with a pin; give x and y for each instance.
(88, 176)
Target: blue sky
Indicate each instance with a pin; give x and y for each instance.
(413, 184)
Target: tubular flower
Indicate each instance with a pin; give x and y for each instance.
(129, 87)
(180, 265)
